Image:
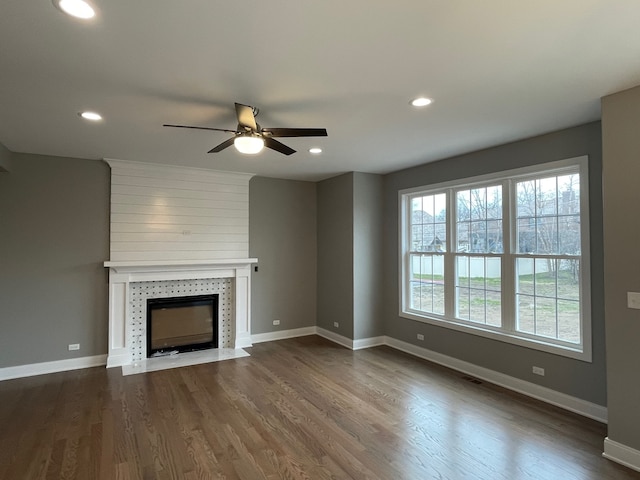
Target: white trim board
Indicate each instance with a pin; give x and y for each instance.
(30, 370)
(283, 334)
(619, 453)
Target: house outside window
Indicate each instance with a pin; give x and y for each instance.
(503, 256)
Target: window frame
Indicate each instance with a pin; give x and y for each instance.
(507, 333)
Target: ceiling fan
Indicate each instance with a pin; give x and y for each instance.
(251, 138)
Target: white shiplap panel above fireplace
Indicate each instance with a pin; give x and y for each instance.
(161, 212)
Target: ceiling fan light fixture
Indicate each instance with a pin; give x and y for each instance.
(315, 150)
(421, 102)
(249, 144)
(93, 116)
(76, 8)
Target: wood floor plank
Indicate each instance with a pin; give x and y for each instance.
(295, 409)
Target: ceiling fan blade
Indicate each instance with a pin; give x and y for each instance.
(277, 146)
(200, 128)
(222, 146)
(295, 132)
(246, 117)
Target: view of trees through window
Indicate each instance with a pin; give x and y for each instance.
(548, 264)
(544, 232)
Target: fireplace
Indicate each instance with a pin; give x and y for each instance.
(181, 324)
(131, 283)
(176, 232)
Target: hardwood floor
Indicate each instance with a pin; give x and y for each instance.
(296, 409)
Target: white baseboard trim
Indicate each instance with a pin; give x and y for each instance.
(335, 338)
(369, 342)
(283, 334)
(243, 340)
(30, 370)
(619, 453)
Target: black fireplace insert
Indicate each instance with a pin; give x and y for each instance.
(181, 324)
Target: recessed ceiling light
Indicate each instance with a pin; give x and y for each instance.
(315, 150)
(421, 102)
(76, 8)
(93, 116)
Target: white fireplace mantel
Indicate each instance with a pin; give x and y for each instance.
(123, 273)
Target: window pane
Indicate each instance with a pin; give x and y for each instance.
(494, 308)
(548, 293)
(478, 203)
(494, 236)
(479, 237)
(428, 237)
(478, 292)
(524, 276)
(526, 194)
(493, 274)
(464, 205)
(494, 202)
(526, 313)
(464, 234)
(546, 235)
(545, 277)
(546, 197)
(569, 234)
(428, 227)
(568, 279)
(546, 322)
(474, 208)
(569, 194)
(462, 303)
(548, 215)
(569, 321)
(427, 283)
(477, 305)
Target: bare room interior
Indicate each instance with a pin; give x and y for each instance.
(319, 240)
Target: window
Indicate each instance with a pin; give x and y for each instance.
(501, 256)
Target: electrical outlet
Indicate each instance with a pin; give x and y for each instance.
(276, 322)
(420, 336)
(74, 346)
(633, 300)
(538, 371)
(336, 324)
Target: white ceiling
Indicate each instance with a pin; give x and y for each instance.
(497, 70)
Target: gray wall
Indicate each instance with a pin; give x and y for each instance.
(335, 254)
(5, 159)
(573, 377)
(282, 235)
(367, 255)
(621, 151)
(54, 236)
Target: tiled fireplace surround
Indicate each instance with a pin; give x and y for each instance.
(130, 281)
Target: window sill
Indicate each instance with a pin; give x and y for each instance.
(578, 353)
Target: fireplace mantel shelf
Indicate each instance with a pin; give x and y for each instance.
(142, 265)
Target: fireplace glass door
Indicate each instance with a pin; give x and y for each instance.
(180, 324)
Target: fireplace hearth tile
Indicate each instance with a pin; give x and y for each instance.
(183, 360)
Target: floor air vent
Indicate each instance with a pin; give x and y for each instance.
(472, 380)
